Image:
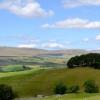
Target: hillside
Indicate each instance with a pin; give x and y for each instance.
(43, 81)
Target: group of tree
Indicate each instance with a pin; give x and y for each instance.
(62, 89)
(89, 87)
(86, 60)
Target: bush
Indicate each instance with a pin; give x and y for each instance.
(6, 92)
(73, 89)
(90, 87)
(60, 89)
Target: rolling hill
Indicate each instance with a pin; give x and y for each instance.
(43, 81)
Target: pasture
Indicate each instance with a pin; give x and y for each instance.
(42, 81)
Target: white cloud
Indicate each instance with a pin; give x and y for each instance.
(47, 26)
(98, 37)
(25, 8)
(45, 45)
(27, 46)
(77, 3)
(74, 23)
(53, 45)
(86, 39)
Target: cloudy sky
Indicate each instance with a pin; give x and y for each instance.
(50, 24)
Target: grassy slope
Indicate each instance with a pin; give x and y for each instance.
(82, 96)
(19, 73)
(43, 81)
(13, 68)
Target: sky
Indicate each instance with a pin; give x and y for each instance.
(50, 24)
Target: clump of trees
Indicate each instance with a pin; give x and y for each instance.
(63, 89)
(86, 60)
(6, 93)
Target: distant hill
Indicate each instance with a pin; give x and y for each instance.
(11, 51)
(95, 51)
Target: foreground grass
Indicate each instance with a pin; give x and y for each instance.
(82, 96)
(30, 83)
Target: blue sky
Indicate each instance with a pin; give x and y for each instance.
(50, 24)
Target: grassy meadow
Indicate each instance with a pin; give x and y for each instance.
(42, 81)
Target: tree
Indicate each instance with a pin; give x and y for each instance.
(90, 87)
(60, 89)
(6, 92)
(86, 60)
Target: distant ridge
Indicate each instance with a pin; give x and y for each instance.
(13, 51)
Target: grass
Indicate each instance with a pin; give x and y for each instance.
(12, 68)
(82, 96)
(18, 73)
(34, 82)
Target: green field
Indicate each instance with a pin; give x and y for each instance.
(6, 61)
(14, 68)
(19, 73)
(42, 81)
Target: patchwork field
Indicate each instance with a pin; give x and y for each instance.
(33, 61)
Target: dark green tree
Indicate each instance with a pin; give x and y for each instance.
(90, 87)
(60, 89)
(86, 60)
(6, 93)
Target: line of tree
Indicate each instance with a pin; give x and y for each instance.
(86, 60)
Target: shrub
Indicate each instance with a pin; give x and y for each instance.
(6, 92)
(73, 89)
(90, 87)
(60, 89)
